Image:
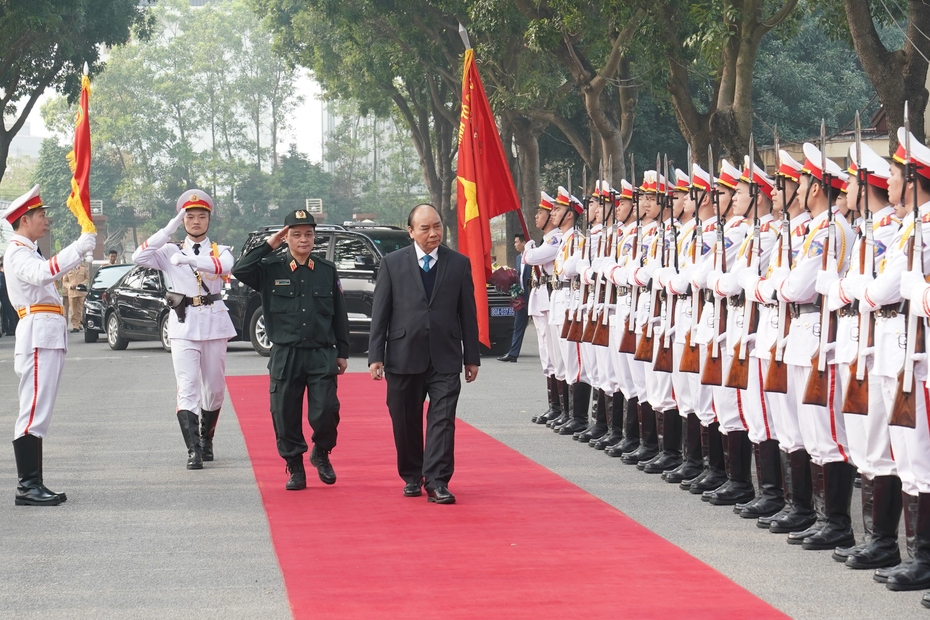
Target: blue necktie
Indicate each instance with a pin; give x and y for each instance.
(426, 259)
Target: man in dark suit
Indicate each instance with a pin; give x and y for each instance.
(521, 314)
(423, 326)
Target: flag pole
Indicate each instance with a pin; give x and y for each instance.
(526, 232)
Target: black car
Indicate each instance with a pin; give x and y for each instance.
(135, 308)
(356, 251)
(92, 319)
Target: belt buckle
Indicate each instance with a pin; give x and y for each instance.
(197, 301)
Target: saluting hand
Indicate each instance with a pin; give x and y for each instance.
(277, 239)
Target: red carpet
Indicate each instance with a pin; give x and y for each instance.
(359, 549)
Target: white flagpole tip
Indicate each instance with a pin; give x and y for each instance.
(86, 69)
(464, 34)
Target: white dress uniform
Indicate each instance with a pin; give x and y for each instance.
(198, 345)
(42, 332)
(542, 258)
(617, 272)
(565, 267)
(868, 436)
(822, 428)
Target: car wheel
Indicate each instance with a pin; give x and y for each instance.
(91, 336)
(163, 330)
(114, 339)
(257, 333)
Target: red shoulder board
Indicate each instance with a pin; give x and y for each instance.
(765, 227)
(885, 221)
(925, 218)
(799, 231)
(710, 228)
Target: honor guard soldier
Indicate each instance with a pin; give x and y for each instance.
(198, 323)
(541, 258)
(41, 337)
(867, 427)
(305, 315)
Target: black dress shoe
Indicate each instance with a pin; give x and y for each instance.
(413, 489)
(320, 459)
(506, 358)
(440, 495)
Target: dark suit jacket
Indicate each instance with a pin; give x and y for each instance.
(408, 331)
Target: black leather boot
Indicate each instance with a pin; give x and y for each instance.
(802, 515)
(768, 469)
(909, 512)
(660, 439)
(882, 550)
(581, 399)
(765, 522)
(598, 428)
(614, 434)
(555, 407)
(208, 420)
(565, 393)
(630, 425)
(705, 456)
(670, 457)
(740, 488)
(817, 487)
(319, 458)
(298, 475)
(31, 490)
(917, 575)
(692, 463)
(648, 437)
(837, 527)
(841, 553)
(190, 428)
(716, 473)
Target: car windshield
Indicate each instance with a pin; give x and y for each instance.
(107, 276)
(387, 241)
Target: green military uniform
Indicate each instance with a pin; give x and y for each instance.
(306, 321)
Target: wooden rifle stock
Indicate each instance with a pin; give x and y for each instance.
(664, 361)
(712, 369)
(817, 391)
(567, 324)
(905, 403)
(575, 330)
(738, 377)
(856, 400)
(644, 349)
(690, 357)
(776, 379)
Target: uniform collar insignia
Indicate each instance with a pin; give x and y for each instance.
(293, 265)
(310, 263)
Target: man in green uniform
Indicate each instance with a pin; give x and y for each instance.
(306, 321)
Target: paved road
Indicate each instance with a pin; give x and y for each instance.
(142, 537)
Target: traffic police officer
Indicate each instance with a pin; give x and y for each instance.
(41, 336)
(199, 325)
(306, 320)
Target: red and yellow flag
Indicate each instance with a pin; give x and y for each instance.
(485, 187)
(79, 161)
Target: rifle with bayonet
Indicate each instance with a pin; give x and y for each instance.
(904, 412)
(817, 391)
(776, 379)
(646, 349)
(856, 400)
(569, 321)
(664, 361)
(712, 373)
(738, 376)
(601, 334)
(691, 354)
(628, 338)
(590, 323)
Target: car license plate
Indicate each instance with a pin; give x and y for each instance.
(508, 311)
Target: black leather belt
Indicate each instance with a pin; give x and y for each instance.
(623, 290)
(737, 301)
(799, 309)
(203, 300)
(556, 286)
(847, 311)
(889, 311)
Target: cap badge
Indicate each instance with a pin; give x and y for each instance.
(301, 215)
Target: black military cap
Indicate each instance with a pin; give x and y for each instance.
(300, 217)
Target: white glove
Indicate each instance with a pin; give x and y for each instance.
(854, 285)
(86, 243)
(779, 275)
(748, 279)
(651, 267)
(663, 275)
(912, 284)
(175, 223)
(598, 263)
(826, 279)
(180, 258)
(529, 245)
(712, 278)
(583, 265)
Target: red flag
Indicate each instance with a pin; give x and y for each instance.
(79, 161)
(485, 187)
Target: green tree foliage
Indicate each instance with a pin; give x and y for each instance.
(45, 44)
